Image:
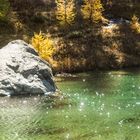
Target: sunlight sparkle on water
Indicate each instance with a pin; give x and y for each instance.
(82, 104)
(133, 86)
(98, 109)
(97, 93)
(24, 102)
(119, 108)
(84, 80)
(120, 123)
(108, 114)
(128, 105)
(137, 103)
(85, 116)
(100, 113)
(70, 105)
(67, 136)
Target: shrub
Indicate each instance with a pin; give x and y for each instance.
(43, 45)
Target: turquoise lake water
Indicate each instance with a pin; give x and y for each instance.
(94, 106)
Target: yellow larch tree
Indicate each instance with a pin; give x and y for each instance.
(43, 45)
(92, 10)
(65, 12)
(135, 25)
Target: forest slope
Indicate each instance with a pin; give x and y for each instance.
(82, 46)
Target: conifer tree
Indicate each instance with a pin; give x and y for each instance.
(43, 45)
(92, 10)
(65, 12)
(135, 25)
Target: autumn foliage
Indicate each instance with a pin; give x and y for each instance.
(43, 45)
(135, 25)
(92, 10)
(65, 11)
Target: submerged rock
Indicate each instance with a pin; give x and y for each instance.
(23, 72)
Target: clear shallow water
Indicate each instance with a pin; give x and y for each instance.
(95, 106)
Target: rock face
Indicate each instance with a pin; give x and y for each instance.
(23, 72)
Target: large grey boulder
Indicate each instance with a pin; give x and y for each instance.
(23, 72)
